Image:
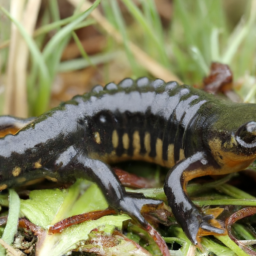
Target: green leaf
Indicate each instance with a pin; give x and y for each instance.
(46, 207)
(42, 206)
(91, 200)
(60, 244)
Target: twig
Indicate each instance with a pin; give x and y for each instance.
(16, 89)
(16, 9)
(10, 249)
(29, 22)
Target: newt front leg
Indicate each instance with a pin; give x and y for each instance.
(185, 212)
(97, 171)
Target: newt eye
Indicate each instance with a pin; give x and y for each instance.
(246, 133)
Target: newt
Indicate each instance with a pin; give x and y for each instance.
(176, 126)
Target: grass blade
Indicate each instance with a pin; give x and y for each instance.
(35, 53)
(56, 46)
(13, 217)
(81, 49)
(148, 30)
(66, 30)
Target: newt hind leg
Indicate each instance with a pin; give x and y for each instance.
(185, 212)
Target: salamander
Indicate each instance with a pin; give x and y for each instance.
(176, 126)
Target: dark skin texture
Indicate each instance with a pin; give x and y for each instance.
(192, 133)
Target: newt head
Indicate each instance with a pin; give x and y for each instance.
(236, 150)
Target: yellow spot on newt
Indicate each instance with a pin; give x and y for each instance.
(147, 142)
(159, 150)
(32, 182)
(126, 141)
(136, 143)
(97, 137)
(115, 139)
(38, 164)
(21, 180)
(182, 156)
(51, 178)
(2, 187)
(170, 155)
(16, 171)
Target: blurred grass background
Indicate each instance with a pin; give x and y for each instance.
(64, 49)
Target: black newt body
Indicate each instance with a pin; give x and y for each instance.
(179, 127)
